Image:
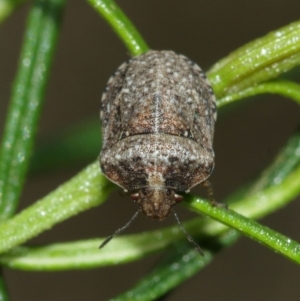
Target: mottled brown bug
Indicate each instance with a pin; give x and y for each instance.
(158, 115)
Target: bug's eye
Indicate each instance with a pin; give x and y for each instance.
(135, 197)
(178, 198)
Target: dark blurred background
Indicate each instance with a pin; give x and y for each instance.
(247, 139)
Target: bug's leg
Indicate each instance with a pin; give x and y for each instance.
(210, 194)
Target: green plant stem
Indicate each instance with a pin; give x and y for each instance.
(26, 101)
(121, 25)
(285, 88)
(7, 7)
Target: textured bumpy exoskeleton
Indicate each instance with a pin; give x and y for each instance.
(158, 115)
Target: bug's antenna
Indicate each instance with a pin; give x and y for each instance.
(108, 239)
(188, 236)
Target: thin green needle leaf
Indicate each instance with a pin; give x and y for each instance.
(264, 235)
(3, 289)
(287, 161)
(121, 25)
(285, 88)
(86, 190)
(7, 7)
(258, 61)
(176, 267)
(86, 254)
(26, 101)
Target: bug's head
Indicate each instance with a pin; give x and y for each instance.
(156, 203)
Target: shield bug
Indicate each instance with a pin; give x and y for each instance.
(158, 115)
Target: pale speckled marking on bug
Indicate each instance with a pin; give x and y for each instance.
(158, 115)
